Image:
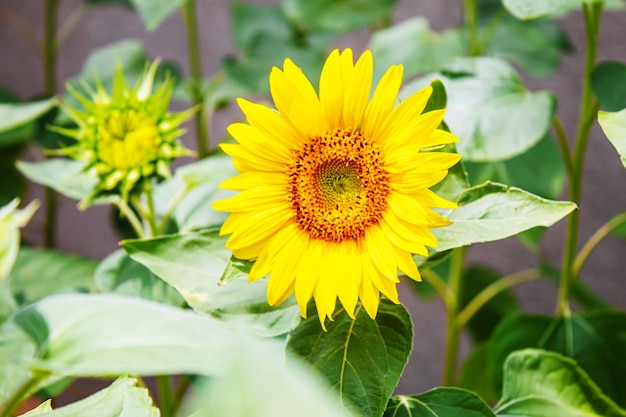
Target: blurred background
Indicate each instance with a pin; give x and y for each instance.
(90, 233)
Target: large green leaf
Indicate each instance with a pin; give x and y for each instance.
(614, 127)
(423, 50)
(493, 211)
(67, 176)
(154, 12)
(193, 264)
(495, 116)
(39, 273)
(338, 15)
(13, 115)
(597, 341)
(119, 274)
(257, 383)
(475, 374)
(439, 402)
(362, 358)
(539, 383)
(17, 350)
(609, 84)
(122, 399)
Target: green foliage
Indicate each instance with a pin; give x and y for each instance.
(362, 359)
(609, 85)
(193, 264)
(614, 127)
(539, 383)
(122, 399)
(14, 115)
(154, 12)
(595, 340)
(440, 402)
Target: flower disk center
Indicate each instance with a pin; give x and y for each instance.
(338, 186)
(127, 140)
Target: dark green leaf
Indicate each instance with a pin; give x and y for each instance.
(193, 264)
(363, 358)
(597, 341)
(13, 183)
(474, 280)
(493, 211)
(439, 402)
(539, 383)
(609, 84)
(39, 273)
(119, 274)
(614, 127)
(476, 375)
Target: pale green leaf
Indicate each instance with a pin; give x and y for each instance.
(494, 211)
(122, 399)
(362, 359)
(17, 351)
(439, 402)
(539, 383)
(614, 127)
(532, 9)
(11, 220)
(193, 264)
(13, 115)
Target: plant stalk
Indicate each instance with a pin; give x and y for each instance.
(164, 389)
(595, 239)
(471, 24)
(588, 107)
(453, 331)
(9, 407)
(197, 92)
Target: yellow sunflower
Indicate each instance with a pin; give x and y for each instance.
(334, 189)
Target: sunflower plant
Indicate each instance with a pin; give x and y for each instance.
(290, 269)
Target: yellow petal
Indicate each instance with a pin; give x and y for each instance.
(407, 265)
(413, 136)
(258, 198)
(332, 84)
(358, 91)
(413, 181)
(398, 239)
(348, 275)
(370, 297)
(272, 124)
(286, 264)
(382, 102)
(249, 160)
(412, 232)
(422, 162)
(379, 248)
(252, 179)
(257, 227)
(411, 211)
(308, 274)
(255, 141)
(406, 112)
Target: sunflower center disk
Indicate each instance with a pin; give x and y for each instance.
(338, 186)
(127, 140)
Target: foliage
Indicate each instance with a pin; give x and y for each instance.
(174, 303)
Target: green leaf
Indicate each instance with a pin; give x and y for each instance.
(122, 399)
(439, 402)
(363, 358)
(475, 279)
(538, 383)
(154, 12)
(13, 184)
(495, 116)
(614, 127)
(493, 211)
(475, 374)
(13, 115)
(11, 220)
(257, 383)
(193, 264)
(39, 273)
(532, 9)
(16, 351)
(539, 170)
(597, 341)
(422, 49)
(338, 15)
(119, 274)
(608, 81)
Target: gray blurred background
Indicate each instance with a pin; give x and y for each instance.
(90, 233)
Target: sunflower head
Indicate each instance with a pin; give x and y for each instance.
(126, 136)
(334, 186)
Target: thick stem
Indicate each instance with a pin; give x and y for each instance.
(9, 407)
(453, 331)
(164, 388)
(131, 217)
(193, 42)
(564, 145)
(49, 66)
(592, 13)
(471, 24)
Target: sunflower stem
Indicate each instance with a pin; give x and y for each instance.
(179, 395)
(150, 215)
(197, 92)
(9, 407)
(170, 209)
(588, 107)
(49, 77)
(595, 239)
(453, 330)
(164, 389)
(471, 24)
(132, 218)
(564, 144)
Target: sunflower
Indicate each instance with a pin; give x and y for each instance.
(334, 189)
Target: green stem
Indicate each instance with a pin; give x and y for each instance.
(49, 65)
(471, 24)
(453, 331)
(9, 407)
(201, 119)
(170, 209)
(435, 280)
(491, 291)
(564, 144)
(131, 216)
(595, 239)
(150, 216)
(588, 106)
(179, 395)
(164, 388)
